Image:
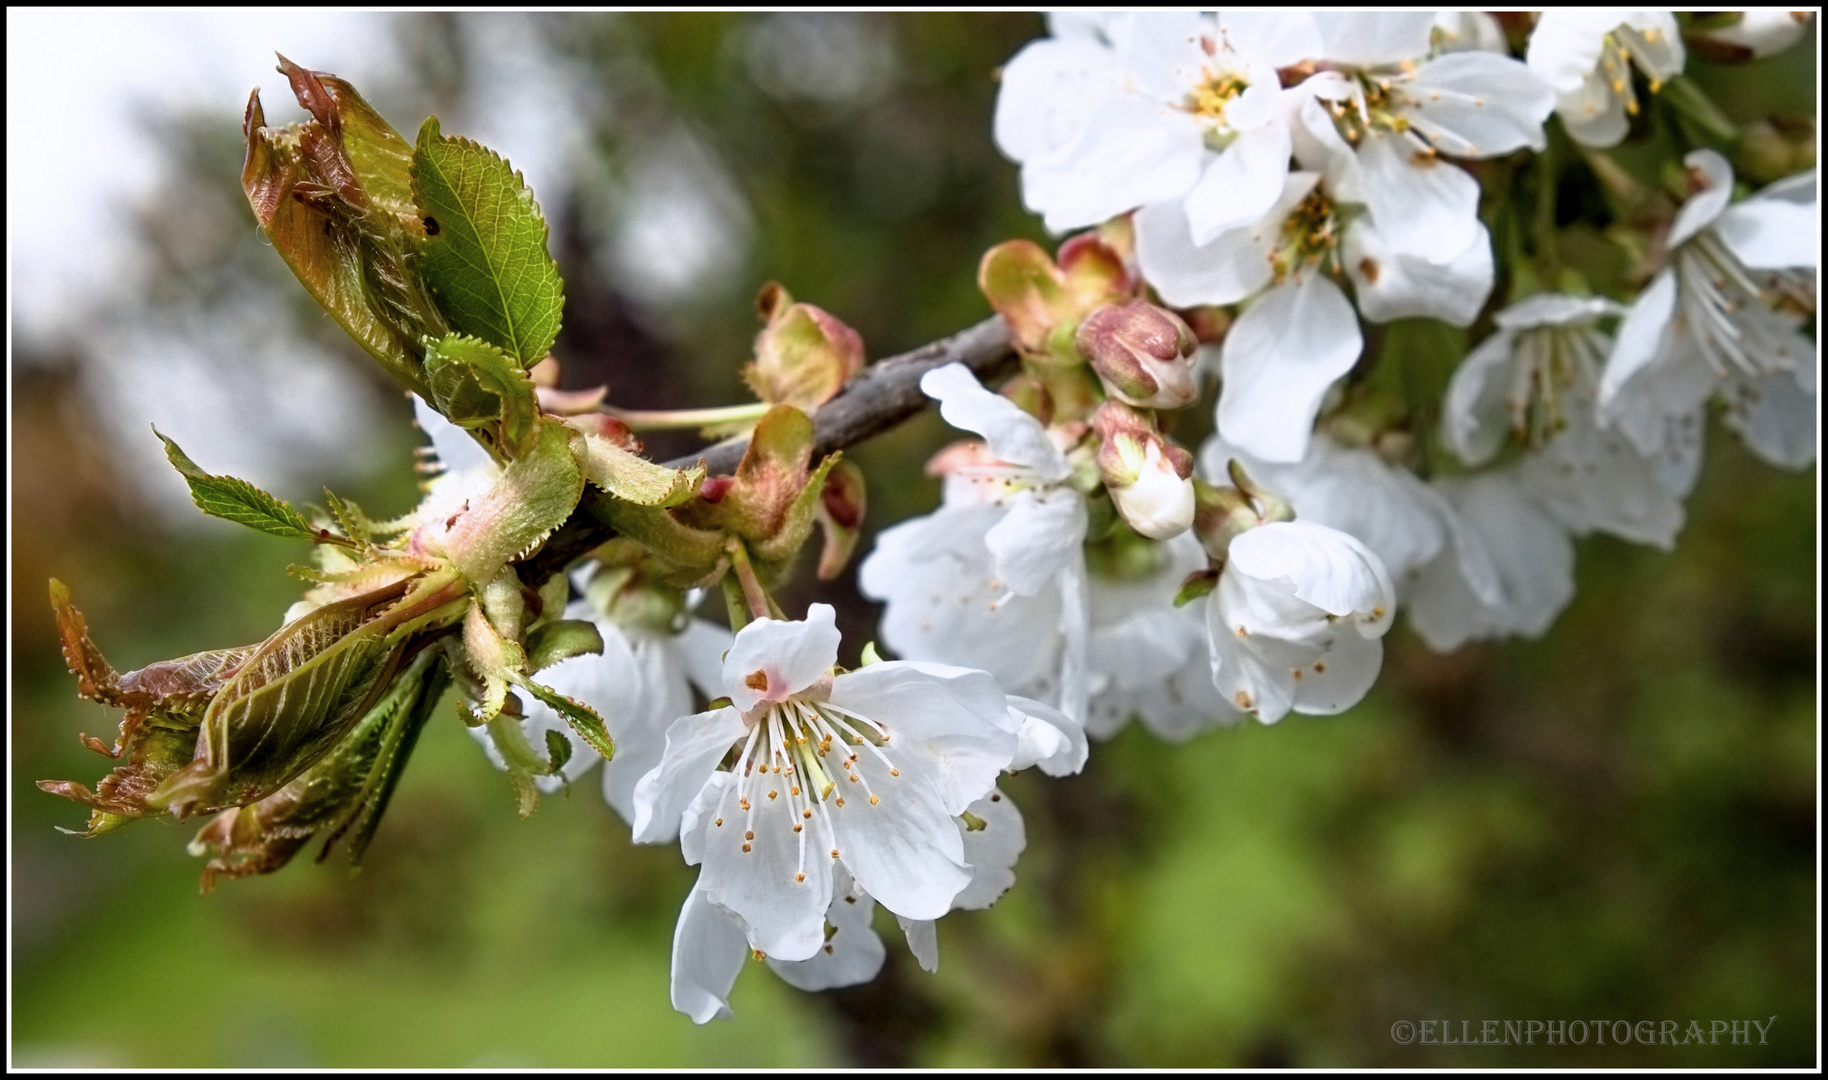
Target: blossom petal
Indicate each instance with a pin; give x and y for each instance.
(1340, 677)
(897, 837)
(1133, 151)
(708, 953)
(1278, 361)
(773, 658)
(1276, 38)
(958, 716)
(1475, 414)
(1253, 685)
(1371, 38)
(1776, 416)
(778, 881)
(1596, 480)
(1046, 93)
(1013, 435)
(1423, 204)
(852, 955)
(923, 940)
(1328, 568)
(1047, 737)
(694, 746)
(1771, 234)
(1038, 539)
(1393, 284)
(1241, 183)
(1499, 531)
(1477, 104)
(1640, 337)
(1235, 264)
(992, 851)
(1162, 52)
(1703, 207)
(946, 604)
(457, 451)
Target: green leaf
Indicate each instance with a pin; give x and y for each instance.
(561, 640)
(518, 755)
(582, 718)
(558, 748)
(334, 196)
(627, 475)
(302, 690)
(474, 384)
(347, 790)
(485, 249)
(532, 497)
(237, 500)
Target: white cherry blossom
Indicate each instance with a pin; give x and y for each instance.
(1122, 110)
(1354, 490)
(1723, 317)
(639, 684)
(995, 578)
(1457, 31)
(1508, 569)
(1389, 116)
(1297, 620)
(1298, 333)
(710, 944)
(1585, 56)
(804, 771)
(1537, 377)
(1754, 35)
(1149, 658)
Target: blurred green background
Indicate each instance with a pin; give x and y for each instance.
(1617, 822)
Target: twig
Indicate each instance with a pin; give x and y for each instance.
(883, 395)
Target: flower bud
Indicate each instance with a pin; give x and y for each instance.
(1775, 148)
(1150, 480)
(1043, 301)
(1221, 514)
(804, 356)
(1142, 353)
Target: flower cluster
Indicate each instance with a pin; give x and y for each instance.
(1348, 218)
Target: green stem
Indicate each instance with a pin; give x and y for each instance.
(1548, 168)
(756, 597)
(1692, 102)
(686, 419)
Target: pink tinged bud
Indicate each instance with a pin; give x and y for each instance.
(1043, 300)
(1143, 354)
(1150, 480)
(840, 513)
(1025, 287)
(804, 356)
(1095, 270)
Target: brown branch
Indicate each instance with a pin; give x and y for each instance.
(883, 395)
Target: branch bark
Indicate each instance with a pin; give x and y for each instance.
(881, 396)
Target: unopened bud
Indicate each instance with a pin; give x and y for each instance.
(1221, 514)
(840, 514)
(1150, 479)
(1775, 148)
(1143, 354)
(804, 356)
(1042, 300)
